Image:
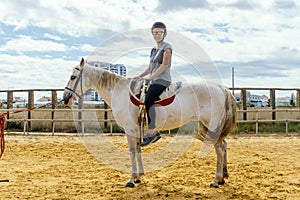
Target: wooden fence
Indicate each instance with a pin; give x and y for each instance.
(28, 119)
(79, 122)
(272, 91)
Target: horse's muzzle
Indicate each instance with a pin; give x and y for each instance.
(66, 97)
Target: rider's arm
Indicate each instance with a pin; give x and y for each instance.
(164, 65)
(146, 72)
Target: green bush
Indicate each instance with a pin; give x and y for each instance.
(14, 125)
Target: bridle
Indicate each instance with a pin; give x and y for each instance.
(76, 84)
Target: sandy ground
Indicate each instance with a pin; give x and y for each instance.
(60, 167)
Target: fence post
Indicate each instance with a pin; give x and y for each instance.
(272, 103)
(30, 105)
(256, 122)
(111, 127)
(10, 101)
(80, 122)
(244, 102)
(53, 99)
(286, 122)
(105, 115)
(298, 98)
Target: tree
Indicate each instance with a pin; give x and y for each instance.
(292, 100)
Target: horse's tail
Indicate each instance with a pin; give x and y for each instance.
(230, 114)
(202, 132)
(229, 121)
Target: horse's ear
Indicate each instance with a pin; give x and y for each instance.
(82, 62)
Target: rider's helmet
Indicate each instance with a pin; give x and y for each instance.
(160, 25)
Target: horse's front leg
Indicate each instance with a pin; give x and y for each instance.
(140, 163)
(135, 155)
(219, 179)
(132, 153)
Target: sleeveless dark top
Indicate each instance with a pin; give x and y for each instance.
(156, 59)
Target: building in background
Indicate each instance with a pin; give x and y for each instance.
(18, 102)
(91, 95)
(283, 101)
(253, 99)
(115, 68)
(263, 100)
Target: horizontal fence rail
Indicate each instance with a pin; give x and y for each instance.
(111, 120)
(54, 120)
(257, 120)
(27, 118)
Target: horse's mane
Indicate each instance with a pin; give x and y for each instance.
(104, 78)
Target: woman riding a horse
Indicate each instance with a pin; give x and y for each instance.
(160, 78)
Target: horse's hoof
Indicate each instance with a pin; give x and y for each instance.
(221, 182)
(225, 175)
(129, 184)
(137, 181)
(214, 185)
(141, 173)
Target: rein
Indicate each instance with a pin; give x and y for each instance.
(3, 120)
(76, 84)
(142, 118)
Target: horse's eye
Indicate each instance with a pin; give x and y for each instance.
(73, 77)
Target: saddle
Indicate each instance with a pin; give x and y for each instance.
(166, 98)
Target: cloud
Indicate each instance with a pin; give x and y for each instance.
(170, 5)
(259, 38)
(276, 71)
(74, 19)
(279, 63)
(84, 47)
(53, 37)
(242, 5)
(26, 44)
(24, 72)
(287, 4)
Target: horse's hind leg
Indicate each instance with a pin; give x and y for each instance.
(219, 179)
(225, 170)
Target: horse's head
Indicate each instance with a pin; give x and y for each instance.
(76, 85)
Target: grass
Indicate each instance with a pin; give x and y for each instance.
(187, 129)
(278, 127)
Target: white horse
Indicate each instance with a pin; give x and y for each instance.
(211, 104)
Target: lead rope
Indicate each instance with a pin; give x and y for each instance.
(142, 112)
(3, 120)
(2, 141)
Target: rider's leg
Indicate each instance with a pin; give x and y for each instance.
(153, 93)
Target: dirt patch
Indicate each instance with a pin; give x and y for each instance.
(60, 167)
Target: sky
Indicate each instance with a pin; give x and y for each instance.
(42, 40)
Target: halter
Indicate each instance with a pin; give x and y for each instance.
(76, 84)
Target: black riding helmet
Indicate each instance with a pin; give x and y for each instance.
(160, 25)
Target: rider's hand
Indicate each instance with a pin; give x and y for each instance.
(136, 77)
(148, 78)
